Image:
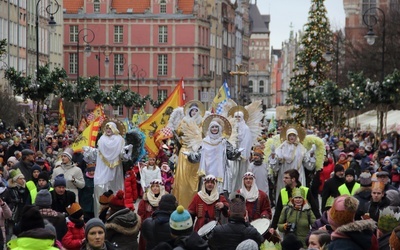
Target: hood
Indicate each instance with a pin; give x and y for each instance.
(124, 221)
(360, 232)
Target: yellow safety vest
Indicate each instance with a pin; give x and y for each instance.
(285, 195)
(33, 190)
(344, 190)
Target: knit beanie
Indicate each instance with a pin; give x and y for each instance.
(343, 154)
(237, 206)
(365, 179)
(394, 240)
(180, 222)
(49, 227)
(387, 158)
(15, 174)
(13, 160)
(43, 199)
(69, 153)
(60, 181)
(106, 197)
(247, 245)
(31, 218)
(118, 201)
(350, 171)
(342, 211)
(74, 210)
(338, 168)
(43, 176)
(167, 203)
(36, 167)
(94, 222)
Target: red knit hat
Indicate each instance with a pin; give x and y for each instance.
(118, 200)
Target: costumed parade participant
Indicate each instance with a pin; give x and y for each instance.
(215, 150)
(186, 179)
(248, 129)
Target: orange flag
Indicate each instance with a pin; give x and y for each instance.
(88, 136)
(159, 119)
(62, 122)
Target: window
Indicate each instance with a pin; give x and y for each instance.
(163, 6)
(162, 34)
(162, 65)
(367, 4)
(250, 86)
(118, 34)
(261, 87)
(119, 64)
(73, 33)
(73, 63)
(119, 111)
(96, 6)
(162, 94)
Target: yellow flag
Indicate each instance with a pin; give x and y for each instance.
(62, 123)
(160, 118)
(88, 136)
(221, 98)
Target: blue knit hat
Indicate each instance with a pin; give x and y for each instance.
(181, 222)
(60, 181)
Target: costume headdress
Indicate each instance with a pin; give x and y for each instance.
(388, 220)
(298, 192)
(249, 174)
(378, 185)
(194, 103)
(157, 181)
(292, 129)
(225, 124)
(119, 125)
(239, 108)
(210, 177)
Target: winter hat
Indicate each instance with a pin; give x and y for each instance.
(69, 153)
(167, 203)
(36, 167)
(394, 197)
(49, 227)
(167, 168)
(15, 174)
(43, 199)
(94, 222)
(350, 171)
(365, 179)
(394, 240)
(382, 174)
(237, 206)
(39, 161)
(74, 210)
(387, 158)
(342, 211)
(60, 181)
(13, 160)
(26, 152)
(43, 176)
(338, 168)
(350, 154)
(343, 154)
(106, 197)
(247, 245)
(31, 218)
(118, 201)
(180, 221)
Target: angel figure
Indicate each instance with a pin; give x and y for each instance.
(247, 127)
(214, 150)
(186, 178)
(293, 154)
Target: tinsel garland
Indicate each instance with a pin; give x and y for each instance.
(319, 152)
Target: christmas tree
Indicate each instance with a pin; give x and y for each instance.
(311, 70)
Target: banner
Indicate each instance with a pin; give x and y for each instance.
(62, 122)
(221, 98)
(97, 112)
(159, 119)
(88, 136)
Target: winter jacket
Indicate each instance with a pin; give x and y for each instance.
(56, 219)
(325, 174)
(35, 239)
(357, 235)
(300, 219)
(131, 192)
(323, 221)
(373, 208)
(156, 229)
(331, 189)
(72, 240)
(123, 228)
(70, 171)
(60, 202)
(236, 230)
(86, 195)
(109, 246)
(19, 197)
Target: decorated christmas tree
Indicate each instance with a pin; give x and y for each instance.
(311, 70)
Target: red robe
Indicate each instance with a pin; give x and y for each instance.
(261, 208)
(204, 212)
(145, 210)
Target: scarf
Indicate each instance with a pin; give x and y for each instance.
(251, 195)
(209, 198)
(152, 198)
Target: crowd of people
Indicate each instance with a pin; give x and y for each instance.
(218, 184)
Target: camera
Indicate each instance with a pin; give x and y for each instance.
(291, 227)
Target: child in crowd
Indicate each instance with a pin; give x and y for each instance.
(167, 177)
(75, 235)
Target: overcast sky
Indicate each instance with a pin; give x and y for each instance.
(284, 12)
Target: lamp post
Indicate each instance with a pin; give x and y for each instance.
(52, 23)
(328, 55)
(134, 68)
(106, 60)
(140, 74)
(87, 49)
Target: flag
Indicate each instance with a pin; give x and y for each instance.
(88, 136)
(221, 98)
(97, 112)
(159, 119)
(62, 122)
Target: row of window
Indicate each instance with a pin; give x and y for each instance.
(260, 86)
(163, 6)
(13, 37)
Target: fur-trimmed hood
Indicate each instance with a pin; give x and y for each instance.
(124, 221)
(359, 225)
(355, 235)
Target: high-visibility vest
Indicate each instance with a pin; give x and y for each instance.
(344, 190)
(33, 190)
(285, 195)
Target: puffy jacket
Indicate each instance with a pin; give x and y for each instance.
(357, 235)
(123, 228)
(156, 229)
(72, 240)
(35, 239)
(131, 192)
(236, 230)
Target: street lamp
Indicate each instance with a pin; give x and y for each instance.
(134, 68)
(51, 23)
(140, 74)
(87, 49)
(106, 60)
(371, 37)
(328, 54)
